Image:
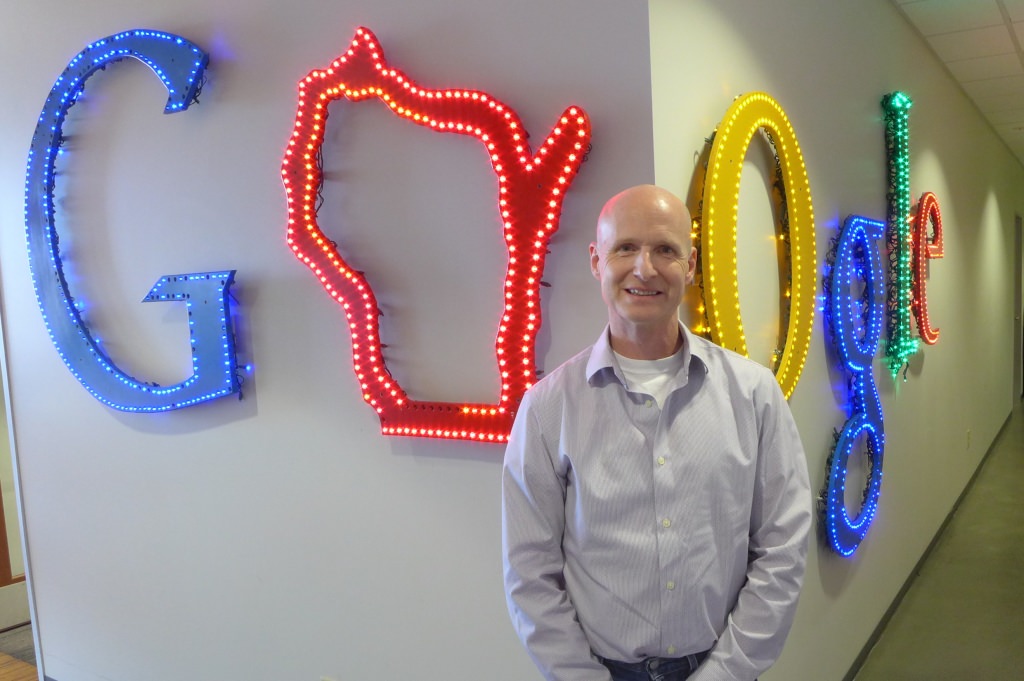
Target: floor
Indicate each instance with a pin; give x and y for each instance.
(17, 655)
(13, 669)
(963, 615)
(17, 643)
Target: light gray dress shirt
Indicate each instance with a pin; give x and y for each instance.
(633, 531)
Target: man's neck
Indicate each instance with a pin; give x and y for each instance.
(644, 343)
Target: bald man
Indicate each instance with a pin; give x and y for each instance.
(655, 499)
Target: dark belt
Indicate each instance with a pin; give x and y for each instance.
(651, 665)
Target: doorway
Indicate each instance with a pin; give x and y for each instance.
(1018, 312)
(14, 606)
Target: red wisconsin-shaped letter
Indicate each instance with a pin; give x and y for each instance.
(531, 188)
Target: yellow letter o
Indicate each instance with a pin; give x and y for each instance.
(748, 114)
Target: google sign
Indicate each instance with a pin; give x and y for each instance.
(863, 295)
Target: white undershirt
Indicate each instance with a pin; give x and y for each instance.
(651, 376)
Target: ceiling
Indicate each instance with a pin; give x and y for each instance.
(980, 42)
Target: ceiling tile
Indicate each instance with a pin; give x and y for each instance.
(1015, 8)
(980, 68)
(1013, 136)
(1007, 117)
(979, 42)
(994, 104)
(995, 87)
(933, 17)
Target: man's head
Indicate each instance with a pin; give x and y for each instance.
(644, 260)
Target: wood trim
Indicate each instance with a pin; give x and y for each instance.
(6, 578)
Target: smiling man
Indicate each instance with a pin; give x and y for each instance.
(644, 261)
(656, 505)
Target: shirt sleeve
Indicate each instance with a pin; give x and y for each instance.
(533, 521)
(780, 524)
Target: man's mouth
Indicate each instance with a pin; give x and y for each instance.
(642, 292)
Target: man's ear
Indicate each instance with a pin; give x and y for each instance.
(594, 259)
(691, 265)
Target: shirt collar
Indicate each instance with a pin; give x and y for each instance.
(602, 365)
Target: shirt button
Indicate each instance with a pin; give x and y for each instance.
(661, 461)
(649, 403)
(671, 650)
(670, 586)
(666, 522)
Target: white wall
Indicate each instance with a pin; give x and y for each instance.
(828, 65)
(281, 537)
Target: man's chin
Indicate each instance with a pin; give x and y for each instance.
(649, 318)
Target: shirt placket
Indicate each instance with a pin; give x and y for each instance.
(666, 526)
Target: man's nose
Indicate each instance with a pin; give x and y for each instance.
(643, 268)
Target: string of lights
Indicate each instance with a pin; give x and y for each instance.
(900, 344)
(795, 233)
(855, 326)
(531, 189)
(180, 66)
(925, 249)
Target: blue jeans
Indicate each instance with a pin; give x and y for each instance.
(654, 668)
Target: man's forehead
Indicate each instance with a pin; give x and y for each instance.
(642, 230)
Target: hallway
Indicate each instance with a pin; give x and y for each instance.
(963, 616)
